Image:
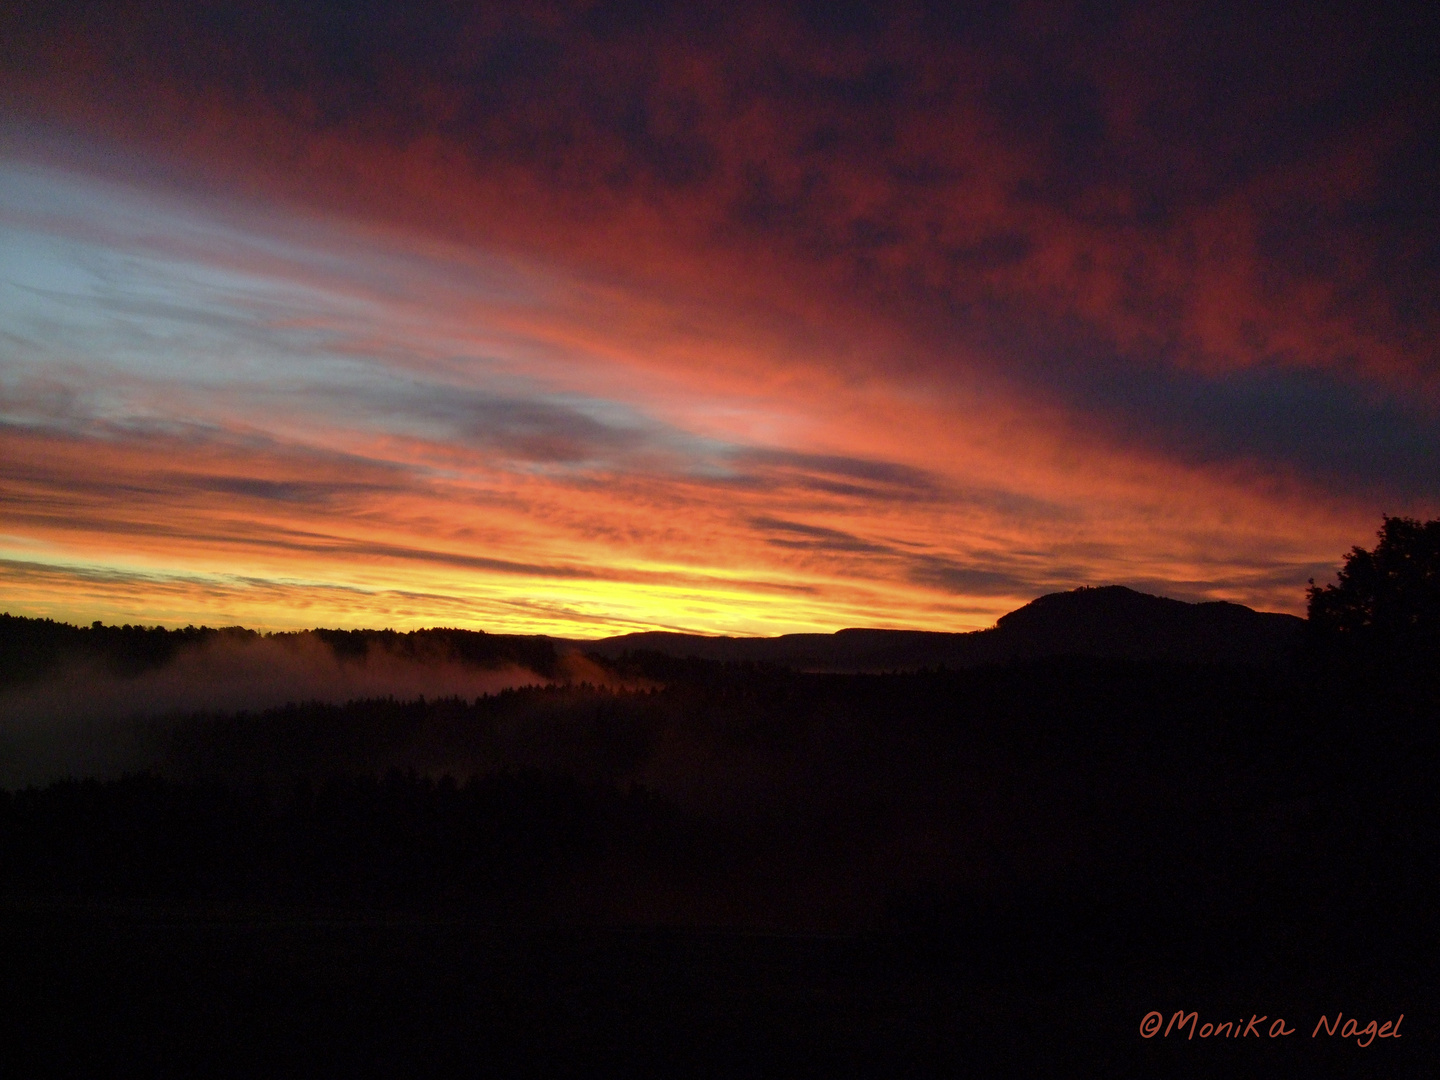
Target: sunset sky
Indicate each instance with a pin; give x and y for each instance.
(585, 319)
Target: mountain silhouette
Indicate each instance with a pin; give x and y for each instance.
(1106, 621)
(1110, 621)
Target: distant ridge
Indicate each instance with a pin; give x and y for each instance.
(1110, 621)
(1106, 621)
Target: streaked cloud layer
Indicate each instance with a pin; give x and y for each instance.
(589, 320)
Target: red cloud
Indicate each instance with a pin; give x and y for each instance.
(979, 253)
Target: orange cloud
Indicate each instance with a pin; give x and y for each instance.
(528, 322)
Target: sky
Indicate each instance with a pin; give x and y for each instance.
(748, 319)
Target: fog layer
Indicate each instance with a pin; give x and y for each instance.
(84, 720)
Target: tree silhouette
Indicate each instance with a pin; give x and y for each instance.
(1390, 594)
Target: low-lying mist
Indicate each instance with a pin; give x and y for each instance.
(647, 788)
(85, 719)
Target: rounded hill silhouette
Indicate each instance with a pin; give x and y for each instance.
(1107, 621)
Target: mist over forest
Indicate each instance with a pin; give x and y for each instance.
(1091, 746)
(103, 700)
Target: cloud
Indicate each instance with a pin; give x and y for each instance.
(1214, 195)
(754, 320)
(815, 538)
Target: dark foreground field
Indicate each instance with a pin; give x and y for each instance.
(136, 990)
(741, 871)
